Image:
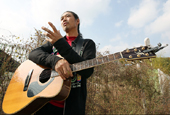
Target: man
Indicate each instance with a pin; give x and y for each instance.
(75, 103)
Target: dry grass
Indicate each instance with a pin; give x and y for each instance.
(119, 89)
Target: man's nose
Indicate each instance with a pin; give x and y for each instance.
(64, 19)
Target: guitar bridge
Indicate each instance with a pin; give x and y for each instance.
(28, 80)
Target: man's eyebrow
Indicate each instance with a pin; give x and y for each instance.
(62, 17)
(65, 15)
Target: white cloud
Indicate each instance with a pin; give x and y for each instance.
(106, 48)
(11, 21)
(44, 11)
(21, 17)
(142, 14)
(52, 10)
(166, 36)
(118, 24)
(118, 37)
(118, 1)
(113, 49)
(162, 23)
(164, 52)
(165, 40)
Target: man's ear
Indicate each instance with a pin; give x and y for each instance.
(78, 21)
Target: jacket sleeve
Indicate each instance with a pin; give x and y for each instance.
(42, 56)
(71, 56)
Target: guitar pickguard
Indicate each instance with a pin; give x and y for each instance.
(35, 88)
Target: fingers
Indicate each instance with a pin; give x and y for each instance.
(67, 71)
(47, 30)
(49, 35)
(49, 40)
(63, 69)
(54, 35)
(61, 73)
(52, 26)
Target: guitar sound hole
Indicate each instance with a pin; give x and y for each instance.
(45, 75)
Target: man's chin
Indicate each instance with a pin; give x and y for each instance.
(66, 29)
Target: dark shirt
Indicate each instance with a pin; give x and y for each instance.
(75, 103)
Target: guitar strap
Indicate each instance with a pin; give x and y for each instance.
(79, 46)
(79, 49)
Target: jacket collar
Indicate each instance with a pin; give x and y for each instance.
(75, 41)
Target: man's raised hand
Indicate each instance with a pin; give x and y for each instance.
(54, 35)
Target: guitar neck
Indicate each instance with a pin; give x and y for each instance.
(95, 62)
(137, 53)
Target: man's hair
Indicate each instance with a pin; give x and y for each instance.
(76, 17)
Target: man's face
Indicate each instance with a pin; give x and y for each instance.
(68, 22)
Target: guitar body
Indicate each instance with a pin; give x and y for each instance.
(37, 94)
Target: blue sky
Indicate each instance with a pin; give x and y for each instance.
(114, 24)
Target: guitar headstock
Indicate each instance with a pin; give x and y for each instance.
(143, 52)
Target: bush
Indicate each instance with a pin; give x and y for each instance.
(115, 88)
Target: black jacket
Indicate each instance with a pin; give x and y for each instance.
(75, 103)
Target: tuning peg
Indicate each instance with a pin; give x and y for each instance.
(159, 44)
(138, 55)
(127, 50)
(135, 49)
(147, 54)
(143, 48)
(130, 56)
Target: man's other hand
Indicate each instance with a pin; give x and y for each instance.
(63, 69)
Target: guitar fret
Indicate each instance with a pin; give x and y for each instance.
(79, 66)
(86, 64)
(111, 57)
(114, 56)
(108, 58)
(94, 61)
(105, 59)
(74, 67)
(82, 65)
(90, 63)
(121, 55)
(118, 55)
(100, 60)
(97, 61)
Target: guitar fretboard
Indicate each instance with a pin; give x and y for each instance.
(95, 62)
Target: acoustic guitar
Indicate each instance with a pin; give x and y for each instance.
(26, 94)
